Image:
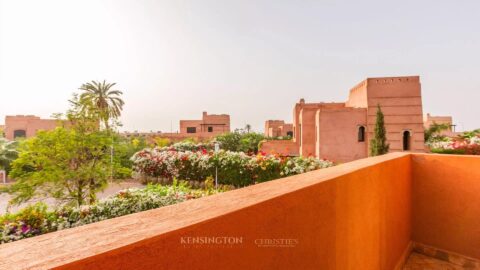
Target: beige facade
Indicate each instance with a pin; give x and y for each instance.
(342, 131)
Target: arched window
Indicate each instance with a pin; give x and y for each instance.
(19, 133)
(361, 133)
(290, 134)
(406, 140)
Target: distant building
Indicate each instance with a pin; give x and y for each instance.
(209, 126)
(342, 131)
(278, 128)
(26, 126)
(429, 120)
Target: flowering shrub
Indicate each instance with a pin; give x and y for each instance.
(188, 146)
(233, 168)
(37, 219)
(469, 145)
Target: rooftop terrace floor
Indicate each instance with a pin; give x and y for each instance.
(417, 261)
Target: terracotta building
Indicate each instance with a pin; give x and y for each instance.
(429, 120)
(342, 131)
(26, 126)
(210, 125)
(278, 128)
(206, 128)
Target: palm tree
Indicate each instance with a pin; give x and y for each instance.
(8, 153)
(99, 99)
(248, 127)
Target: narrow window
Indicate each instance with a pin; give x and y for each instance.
(406, 140)
(361, 134)
(19, 133)
(191, 130)
(210, 129)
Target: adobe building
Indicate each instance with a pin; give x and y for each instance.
(26, 126)
(278, 128)
(209, 126)
(429, 120)
(341, 132)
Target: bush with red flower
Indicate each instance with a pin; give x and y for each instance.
(233, 168)
(466, 144)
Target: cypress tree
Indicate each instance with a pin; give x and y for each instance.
(378, 145)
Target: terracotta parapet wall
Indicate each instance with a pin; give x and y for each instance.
(446, 196)
(352, 216)
(359, 215)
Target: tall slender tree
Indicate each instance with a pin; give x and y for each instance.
(379, 145)
(99, 99)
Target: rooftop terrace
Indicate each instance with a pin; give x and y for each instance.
(366, 214)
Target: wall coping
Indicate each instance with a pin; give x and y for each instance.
(67, 246)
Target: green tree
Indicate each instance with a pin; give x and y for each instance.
(470, 134)
(71, 163)
(162, 142)
(8, 153)
(249, 143)
(240, 141)
(248, 128)
(378, 145)
(99, 100)
(67, 164)
(124, 148)
(229, 141)
(434, 129)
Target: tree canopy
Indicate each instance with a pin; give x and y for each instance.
(100, 100)
(240, 141)
(66, 164)
(8, 153)
(74, 161)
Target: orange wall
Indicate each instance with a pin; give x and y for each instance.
(358, 215)
(446, 199)
(352, 216)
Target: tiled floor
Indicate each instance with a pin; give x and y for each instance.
(418, 261)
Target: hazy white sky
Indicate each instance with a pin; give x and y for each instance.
(251, 59)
